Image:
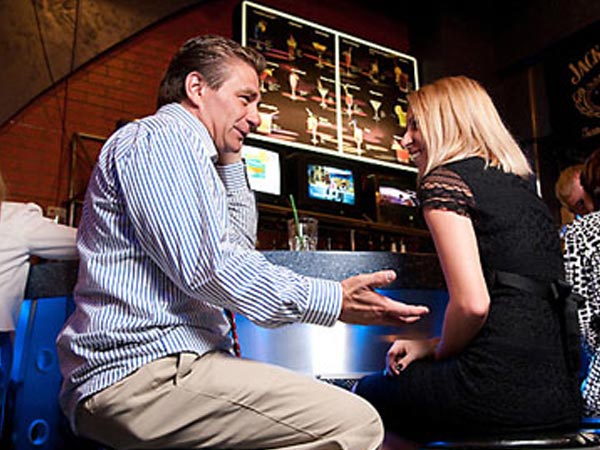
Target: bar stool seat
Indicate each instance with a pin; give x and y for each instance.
(582, 439)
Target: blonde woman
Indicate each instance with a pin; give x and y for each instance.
(500, 365)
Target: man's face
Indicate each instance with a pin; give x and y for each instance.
(231, 112)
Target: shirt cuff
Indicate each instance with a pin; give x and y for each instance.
(233, 176)
(324, 302)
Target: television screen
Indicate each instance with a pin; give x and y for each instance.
(263, 168)
(392, 195)
(330, 184)
(395, 199)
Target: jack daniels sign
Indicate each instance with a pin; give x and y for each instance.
(573, 81)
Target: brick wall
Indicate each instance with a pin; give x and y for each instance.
(35, 145)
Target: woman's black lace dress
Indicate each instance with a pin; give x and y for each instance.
(513, 377)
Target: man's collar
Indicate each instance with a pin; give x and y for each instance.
(180, 113)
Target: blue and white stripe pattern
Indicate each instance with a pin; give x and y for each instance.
(166, 241)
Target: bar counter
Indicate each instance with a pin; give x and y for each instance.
(328, 352)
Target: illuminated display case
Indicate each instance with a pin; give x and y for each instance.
(329, 92)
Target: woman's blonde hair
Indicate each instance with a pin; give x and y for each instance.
(457, 120)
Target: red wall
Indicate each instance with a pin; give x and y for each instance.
(35, 146)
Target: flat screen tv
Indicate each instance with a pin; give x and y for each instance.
(328, 185)
(392, 195)
(395, 199)
(263, 167)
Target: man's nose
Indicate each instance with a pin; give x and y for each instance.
(254, 118)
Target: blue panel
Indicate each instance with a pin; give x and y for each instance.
(342, 349)
(37, 420)
(5, 364)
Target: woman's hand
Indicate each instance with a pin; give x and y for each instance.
(404, 351)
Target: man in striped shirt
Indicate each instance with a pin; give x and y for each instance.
(166, 244)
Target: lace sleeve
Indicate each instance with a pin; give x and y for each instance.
(445, 189)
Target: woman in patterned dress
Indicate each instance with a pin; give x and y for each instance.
(582, 266)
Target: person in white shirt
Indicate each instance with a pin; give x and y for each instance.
(24, 232)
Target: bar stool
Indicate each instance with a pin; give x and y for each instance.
(36, 420)
(582, 439)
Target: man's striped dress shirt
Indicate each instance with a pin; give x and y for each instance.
(166, 241)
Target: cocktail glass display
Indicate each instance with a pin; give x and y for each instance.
(266, 122)
(402, 154)
(293, 79)
(349, 100)
(358, 136)
(323, 91)
(347, 59)
(376, 104)
(374, 71)
(320, 49)
(259, 30)
(292, 44)
(401, 114)
(263, 76)
(312, 125)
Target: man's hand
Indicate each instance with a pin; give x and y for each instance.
(362, 305)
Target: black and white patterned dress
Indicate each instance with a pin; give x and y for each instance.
(582, 267)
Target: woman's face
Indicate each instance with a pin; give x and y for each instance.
(413, 141)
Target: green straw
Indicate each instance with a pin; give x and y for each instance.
(295, 211)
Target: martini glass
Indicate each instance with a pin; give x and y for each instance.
(376, 104)
(323, 91)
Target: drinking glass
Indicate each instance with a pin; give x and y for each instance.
(304, 234)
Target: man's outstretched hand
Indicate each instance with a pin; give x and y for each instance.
(363, 306)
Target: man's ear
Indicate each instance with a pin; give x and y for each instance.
(194, 87)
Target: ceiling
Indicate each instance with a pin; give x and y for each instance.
(43, 41)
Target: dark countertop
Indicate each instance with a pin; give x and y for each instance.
(415, 271)
(51, 279)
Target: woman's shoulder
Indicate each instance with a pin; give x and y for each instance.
(452, 172)
(456, 169)
(470, 162)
